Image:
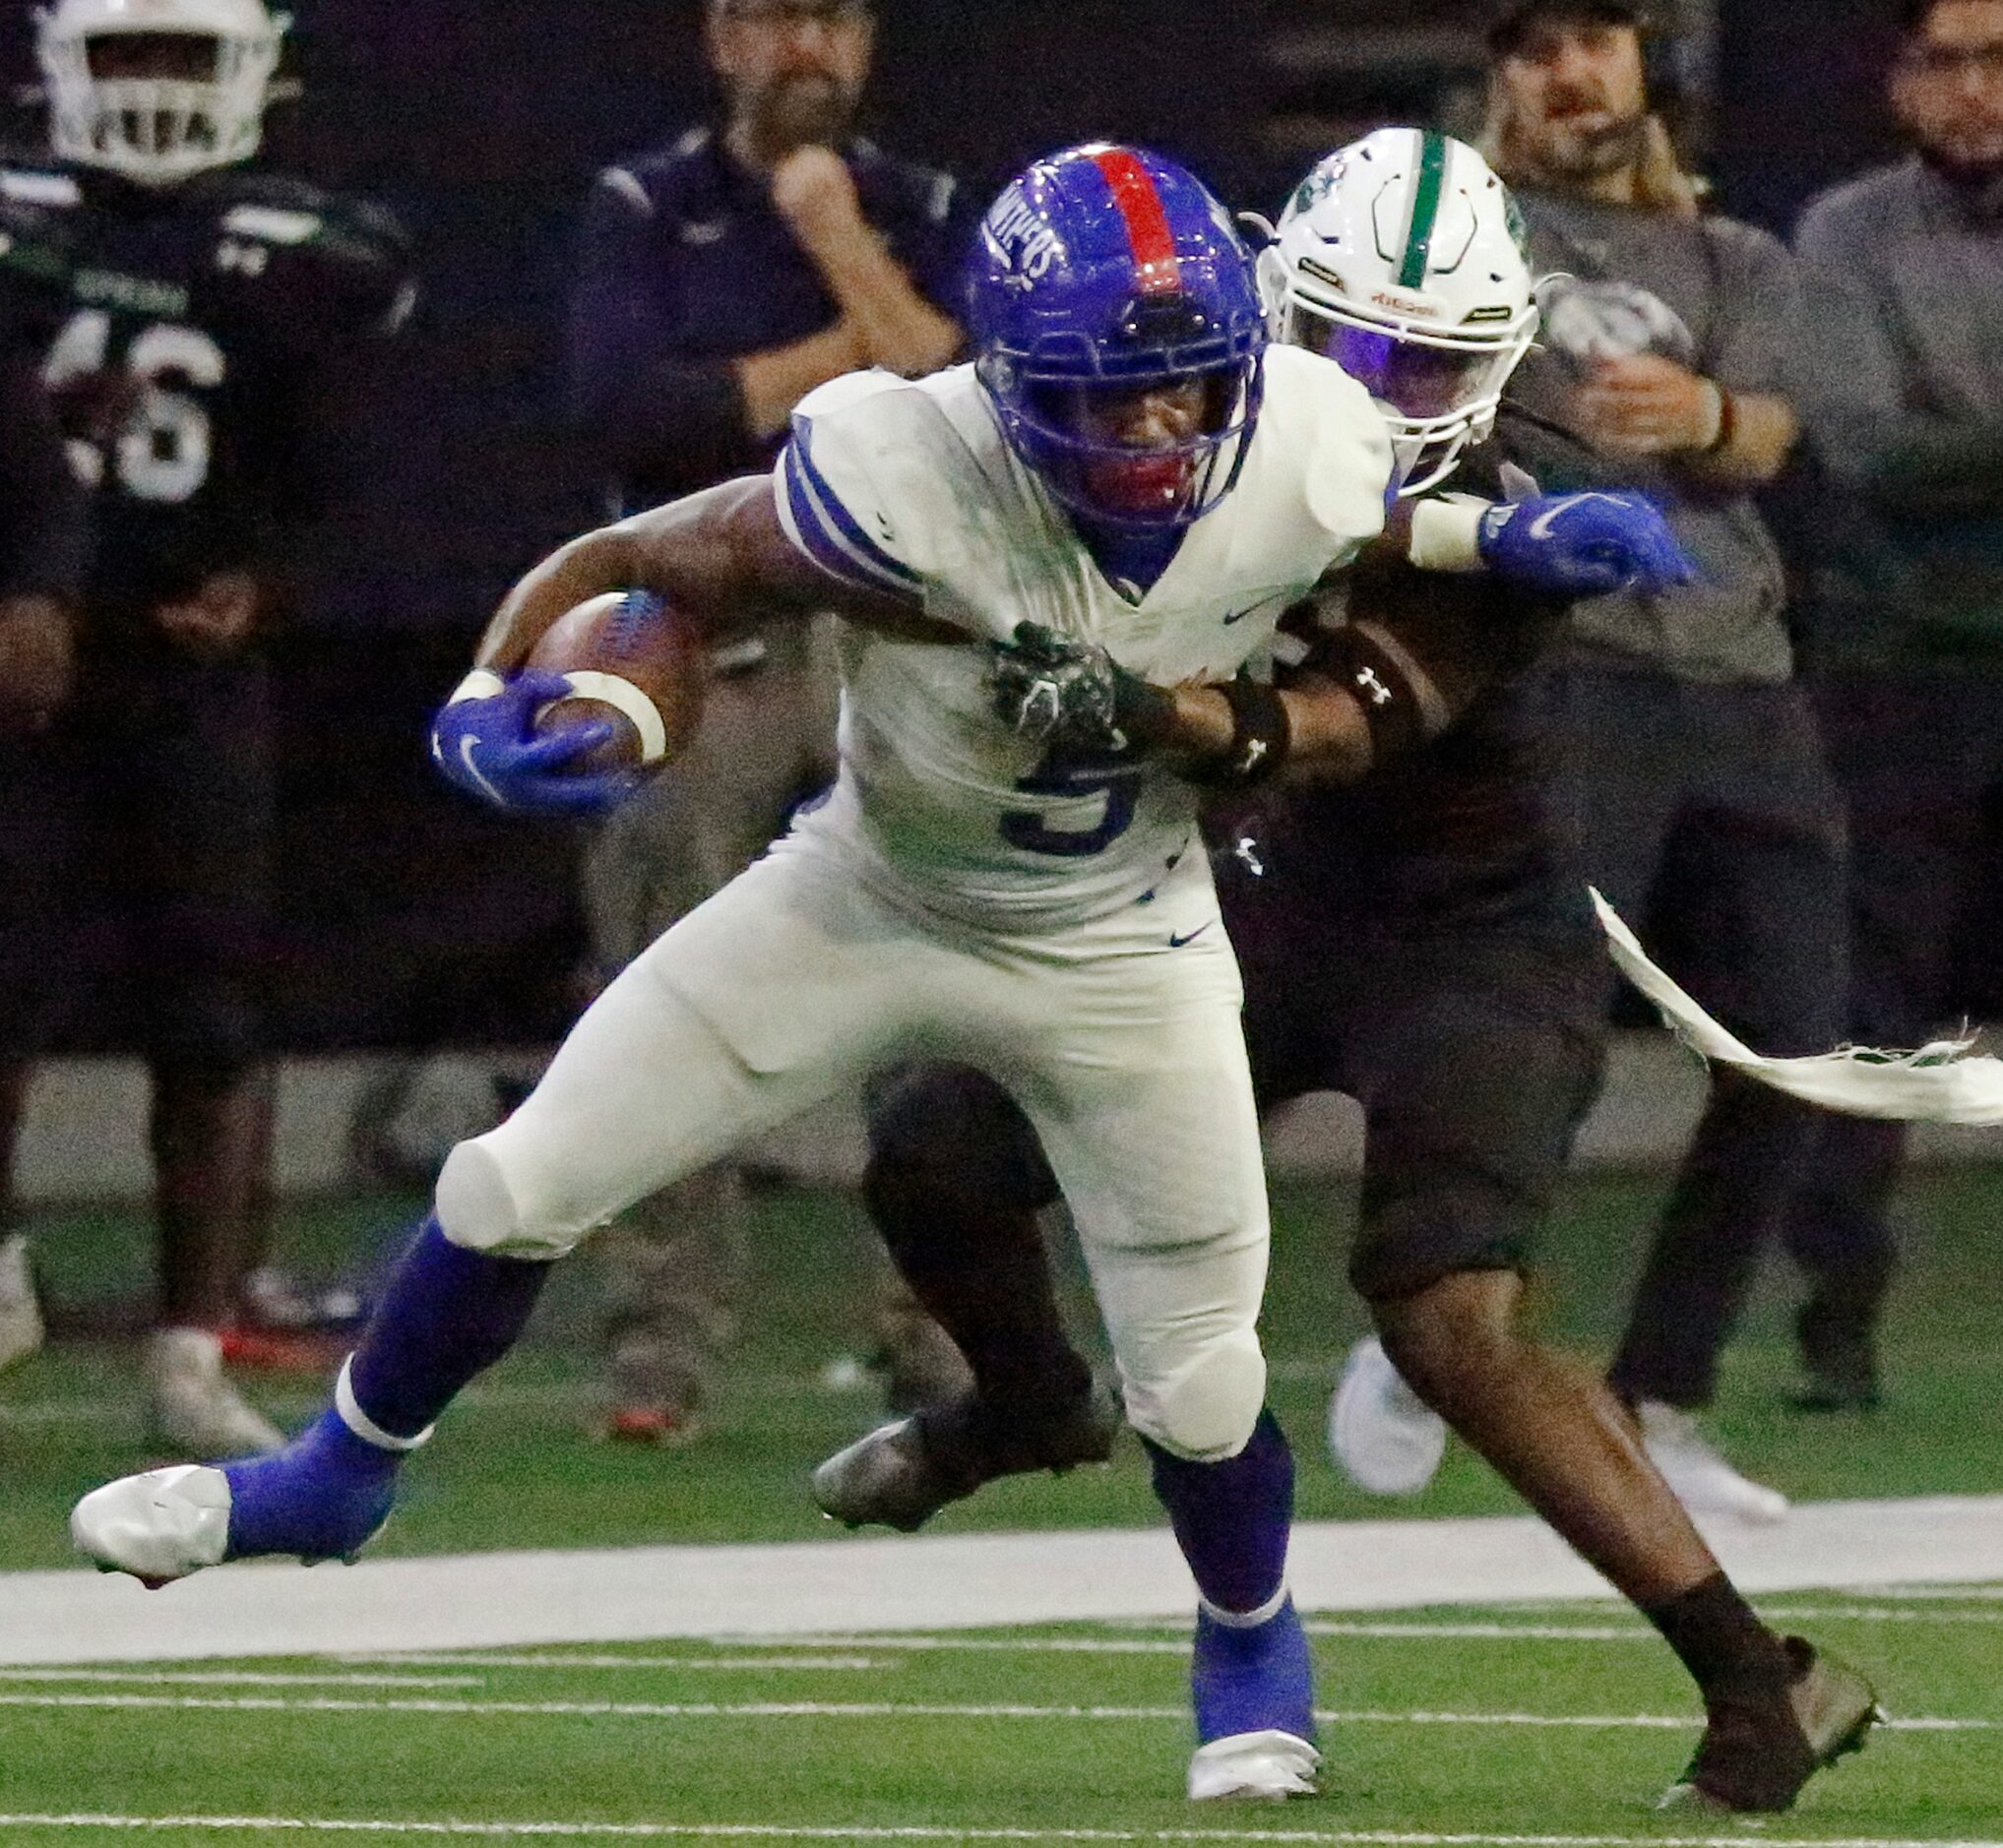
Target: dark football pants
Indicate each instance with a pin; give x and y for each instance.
(1708, 816)
(136, 851)
(1475, 1057)
(1920, 758)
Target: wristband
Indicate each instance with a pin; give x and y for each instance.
(1446, 533)
(1727, 422)
(482, 684)
(1262, 735)
(623, 696)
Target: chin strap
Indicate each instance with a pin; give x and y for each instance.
(1944, 1082)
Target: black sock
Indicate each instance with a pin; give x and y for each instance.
(1727, 1650)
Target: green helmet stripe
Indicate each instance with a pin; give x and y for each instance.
(1425, 212)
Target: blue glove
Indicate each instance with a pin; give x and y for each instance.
(1584, 545)
(485, 740)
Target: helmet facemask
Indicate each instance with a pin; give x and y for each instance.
(1439, 389)
(1057, 402)
(158, 97)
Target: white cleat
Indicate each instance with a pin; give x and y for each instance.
(1253, 1768)
(192, 1407)
(1381, 1434)
(1702, 1480)
(21, 1330)
(160, 1526)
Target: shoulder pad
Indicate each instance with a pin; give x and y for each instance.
(280, 210)
(655, 184)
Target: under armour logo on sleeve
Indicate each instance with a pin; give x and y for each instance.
(1380, 694)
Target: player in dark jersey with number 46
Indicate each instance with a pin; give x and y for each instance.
(189, 315)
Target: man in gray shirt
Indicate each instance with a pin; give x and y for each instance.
(1902, 387)
(1697, 780)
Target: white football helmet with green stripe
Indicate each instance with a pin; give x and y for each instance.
(1403, 258)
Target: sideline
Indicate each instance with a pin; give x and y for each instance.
(958, 1582)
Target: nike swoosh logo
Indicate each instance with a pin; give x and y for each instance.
(467, 747)
(1540, 526)
(1176, 942)
(1239, 615)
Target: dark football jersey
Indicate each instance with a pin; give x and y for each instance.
(226, 297)
(1463, 834)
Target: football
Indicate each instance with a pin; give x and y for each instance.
(626, 651)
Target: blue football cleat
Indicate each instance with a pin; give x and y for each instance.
(320, 1498)
(1253, 1688)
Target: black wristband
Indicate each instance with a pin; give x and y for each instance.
(1261, 737)
(1379, 682)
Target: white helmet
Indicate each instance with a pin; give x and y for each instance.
(1403, 258)
(159, 127)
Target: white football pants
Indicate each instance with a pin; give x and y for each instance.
(1119, 1038)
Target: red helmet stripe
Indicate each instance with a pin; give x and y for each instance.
(1140, 203)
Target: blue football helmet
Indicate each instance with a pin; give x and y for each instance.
(1101, 273)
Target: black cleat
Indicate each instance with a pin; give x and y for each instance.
(1757, 1753)
(904, 1473)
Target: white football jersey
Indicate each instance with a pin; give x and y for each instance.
(911, 489)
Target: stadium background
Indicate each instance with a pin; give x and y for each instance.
(409, 920)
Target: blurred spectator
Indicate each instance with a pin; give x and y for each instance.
(1699, 785)
(44, 526)
(184, 309)
(1902, 375)
(723, 279)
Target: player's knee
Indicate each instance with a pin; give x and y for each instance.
(1455, 1338)
(1203, 1407)
(484, 1208)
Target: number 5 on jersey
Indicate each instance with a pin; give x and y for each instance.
(1075, 775)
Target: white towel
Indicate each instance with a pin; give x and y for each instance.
(1944, 1082)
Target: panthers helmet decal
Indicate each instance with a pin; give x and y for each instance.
(1110, 268)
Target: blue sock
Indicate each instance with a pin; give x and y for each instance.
(320, 1497)
(447, 1315)
(1232, 1518)
(1254, 1679)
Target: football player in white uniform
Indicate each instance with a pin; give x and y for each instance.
(1424, 942)
(1057, 563)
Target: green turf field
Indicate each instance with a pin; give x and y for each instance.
(1445, 1733)
(1554, 1727)
(513, 1468)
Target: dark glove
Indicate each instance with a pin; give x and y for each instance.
(1073, 696)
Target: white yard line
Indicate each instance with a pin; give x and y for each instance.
(219, 1678)
(957, 1581)
(1875, 1614)
(1178, 1644)
(922, 1832)
(571, 1658)
(868, 1711)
